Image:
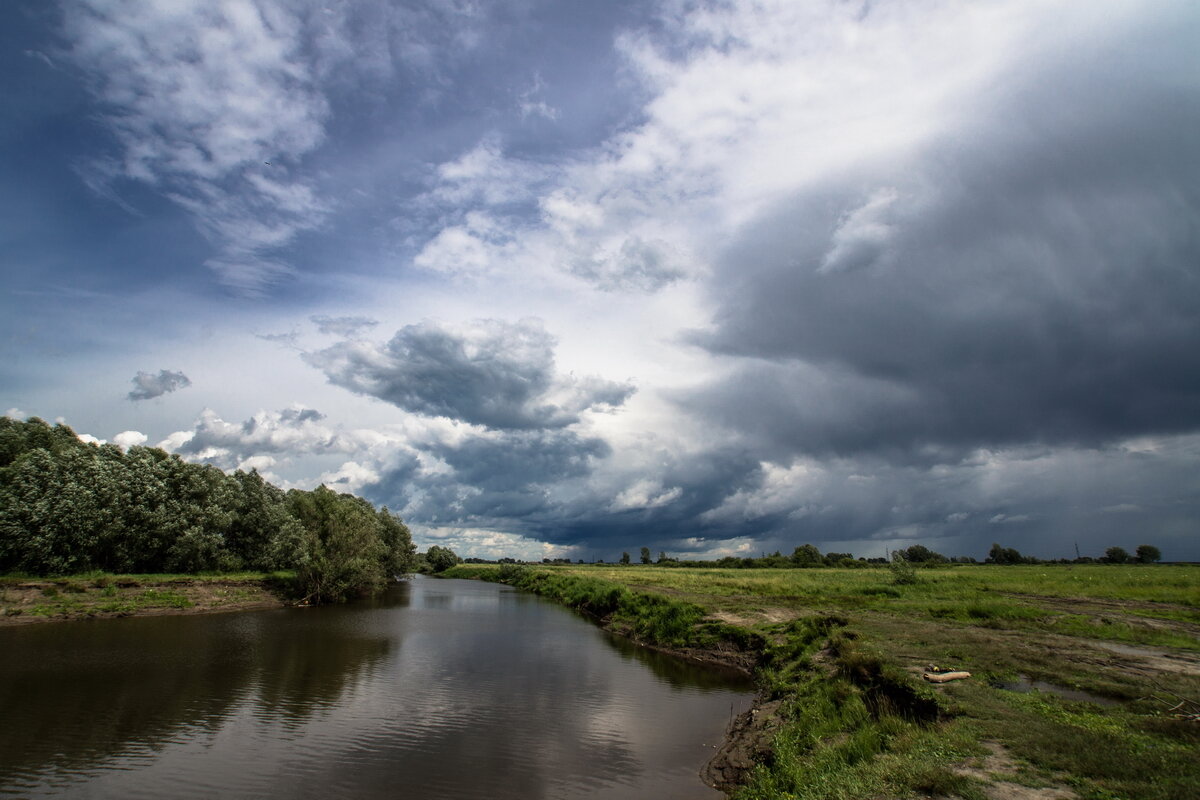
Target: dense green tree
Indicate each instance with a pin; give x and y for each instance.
(1115, 555)
(624, 558)
(69, 506)
(56, 511)
(645, 555)
(262, 532)
(920, 554)
(440, 558)
(401, 555)
(1148, 553)
(1004, 555)
(807, 555)
(341, 551)
(18, 437)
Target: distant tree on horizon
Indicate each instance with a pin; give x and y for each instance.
(1004, 555)
(807, 555)
(624, 558)
(920, 554)
(440, 558)
(1116, 555)
(645, 555)
(1148, 554)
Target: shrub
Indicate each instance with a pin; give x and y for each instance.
(903, 572)
(511, 573)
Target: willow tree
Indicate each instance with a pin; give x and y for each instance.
(346, 548)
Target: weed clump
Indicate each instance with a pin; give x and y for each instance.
(903, 572)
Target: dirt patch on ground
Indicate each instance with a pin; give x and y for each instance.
(1000, 774)
(41, 601)
(759, 616)
(1146, 660)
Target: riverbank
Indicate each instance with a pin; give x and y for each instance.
(25, 601)
(1077, 673)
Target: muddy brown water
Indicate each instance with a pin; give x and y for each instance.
(439, 689)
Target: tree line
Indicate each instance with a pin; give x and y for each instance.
(807, 555)
(67, 506)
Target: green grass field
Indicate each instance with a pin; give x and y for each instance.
(1075, 670)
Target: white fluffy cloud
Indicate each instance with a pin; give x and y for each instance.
(200, 97)
(128, 439)
(292, 431)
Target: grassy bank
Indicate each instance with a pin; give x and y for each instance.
(98, 595)
(1075, 671)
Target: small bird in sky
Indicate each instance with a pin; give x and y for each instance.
(268, 163)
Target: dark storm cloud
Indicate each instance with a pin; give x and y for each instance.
(502, 476)
(497, 374)
(522, 458)
(147, 385)
(693, 484)
(1033, 278)
(538, 484)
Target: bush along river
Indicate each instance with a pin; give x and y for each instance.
(437, 689)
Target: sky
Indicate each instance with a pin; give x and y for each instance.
(561, 278)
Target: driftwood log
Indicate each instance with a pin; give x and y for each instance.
(942, 677)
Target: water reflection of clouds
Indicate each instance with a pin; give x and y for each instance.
(430, 688)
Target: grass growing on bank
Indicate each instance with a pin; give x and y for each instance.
(99, 594)
(840, 652)
(647, 617)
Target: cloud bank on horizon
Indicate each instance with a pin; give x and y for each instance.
(715, 278)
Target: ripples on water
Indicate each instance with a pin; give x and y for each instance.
(441, 689)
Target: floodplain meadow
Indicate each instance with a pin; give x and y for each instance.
(1082, 676)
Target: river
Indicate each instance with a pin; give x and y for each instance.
(438, 689)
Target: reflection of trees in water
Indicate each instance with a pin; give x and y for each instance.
(346, 701)
(300, 673)
(678, 672)
(77, 694)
